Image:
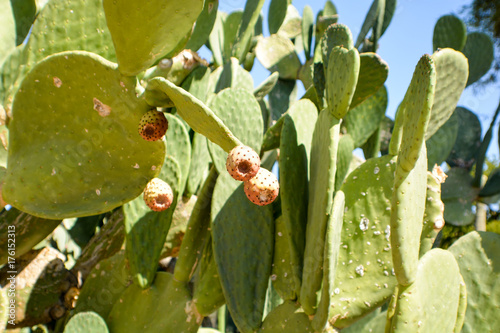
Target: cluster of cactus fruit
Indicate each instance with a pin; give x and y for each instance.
(137, 183)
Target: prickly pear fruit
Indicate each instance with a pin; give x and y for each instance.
(242, 163)
(153, 125)
(158, 195)
(263, 188)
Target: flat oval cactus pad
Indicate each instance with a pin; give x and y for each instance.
(74, 145)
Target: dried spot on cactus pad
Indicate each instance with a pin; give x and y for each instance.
(158, 195)
(242, 163)
(103, 109)
(153, 125)
(263, 188)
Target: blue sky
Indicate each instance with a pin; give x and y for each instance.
(408, 37)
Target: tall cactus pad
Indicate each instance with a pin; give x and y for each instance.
(407, 213)
(143, 32)
(243, 250)
(341, 79)
(240, 111)
(295, 149)
(198, 116)
(179, 147)
(331, 254)
(417, 106)
(477, 257)
(430, 304)
(449, 31)
(287, 317)
(479, 50)
(146, 230)
(335, 35)
(451, 76)
(86, 322)
(364, 276)
(87, 156)
(163, 307)
(321, 188)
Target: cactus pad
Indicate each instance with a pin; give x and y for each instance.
(179, 147)
(449, 31)
(287, 317)
(479, 50)
(198, 116)
(430, 304)
(165, 306)
(84, 322)
(341, 79)
(477, 257)
(451, 76)
(440, 144)
(138, 42)
(243, 250)
(277, 53)
(364, 275)
(463, 153)
(458, 196)
(335, 35)
(87, 156)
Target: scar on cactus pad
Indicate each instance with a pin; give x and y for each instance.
(263, 188)
(153, 125)
(158, 195)
(242, 163)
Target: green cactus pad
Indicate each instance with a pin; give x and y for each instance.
(198, 116)
(373, 72)
(29, 231)
(282, 97)
(208, 295)
(287, 317)
(451, 76)
(138, 42)
(247, 28)
(243, 250)
(146, 230)
(430, 304)
(341, 79)
(277, 53)
(364, 276)
(417, 106)
(449, 31)
(492, 186)
(277, 13)
(203, 27)
(286, 273)
(479, 50)
(331, 254)
(407, 213)
(12, 68)
(433, 215)
(458, 196)
(266, 86)
(440, 144)
(374, 322)
(362, 121)
(163, 307)
(335, 35)
(468, 142)
(321, 188)
(84, 322)
(197, 231)
(344, 158)
(104, 285)
(307, 30)
(179, 147)
(373, 20)
(477, 257)
(8, 33)
(239, 110)
(200, 161)
(68, 26)
(295, 147)
(272, 137)
(230, 75)
(87, 128)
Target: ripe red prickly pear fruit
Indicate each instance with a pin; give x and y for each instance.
(242, 163)
(263, 188)
(158, 195)
(153, 125)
